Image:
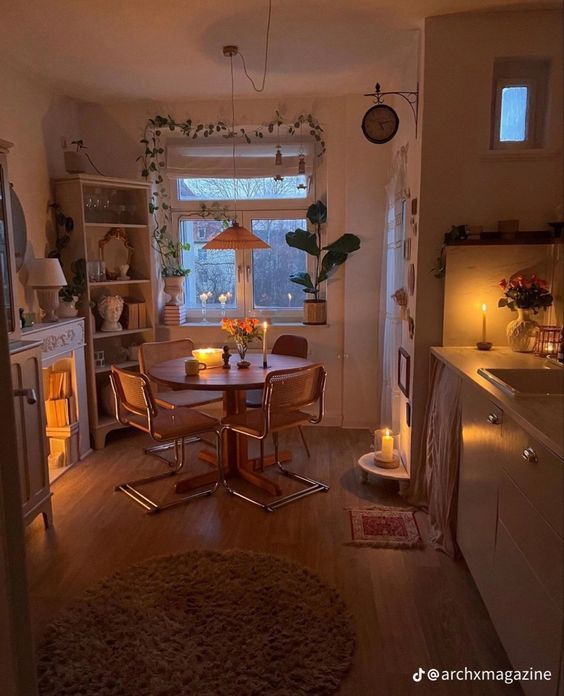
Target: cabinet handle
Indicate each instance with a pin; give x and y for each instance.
(29, 394)
(248, 273)
(529, 455)
(493, 419)
(239, 270)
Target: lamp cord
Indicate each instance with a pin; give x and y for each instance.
(233, 140)
(266, 50)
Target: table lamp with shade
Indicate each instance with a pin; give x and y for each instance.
(46, 277)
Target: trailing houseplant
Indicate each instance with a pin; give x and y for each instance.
(524, 295)
(325, 264)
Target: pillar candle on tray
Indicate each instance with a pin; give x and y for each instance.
(264, 328)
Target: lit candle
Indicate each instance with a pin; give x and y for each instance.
(289, 299)
(204, 297)
(387, 446)
(264, 328)
(484, 310)
(222, 299)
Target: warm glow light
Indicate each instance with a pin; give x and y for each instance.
(211, 357)
(484, 308)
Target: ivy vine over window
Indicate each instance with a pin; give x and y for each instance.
(153, 159)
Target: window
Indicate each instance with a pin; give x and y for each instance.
(251, 282)
(519, 103)
(256, 188)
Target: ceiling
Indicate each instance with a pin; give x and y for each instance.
(108, 50)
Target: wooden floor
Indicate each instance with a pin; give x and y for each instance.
(412, 608)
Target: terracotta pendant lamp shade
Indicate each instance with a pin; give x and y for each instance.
(236, 237)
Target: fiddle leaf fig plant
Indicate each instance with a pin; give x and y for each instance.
(335, 254)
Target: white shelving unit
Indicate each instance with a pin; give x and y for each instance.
(124, 205)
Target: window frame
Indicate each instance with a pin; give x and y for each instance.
(529, 139)
(188, 210)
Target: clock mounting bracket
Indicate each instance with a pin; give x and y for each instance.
(412, 98)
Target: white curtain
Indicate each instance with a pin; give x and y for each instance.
(392, 280)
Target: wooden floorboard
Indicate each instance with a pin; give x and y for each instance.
(412, 608)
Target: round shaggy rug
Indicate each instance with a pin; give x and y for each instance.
(202, 623)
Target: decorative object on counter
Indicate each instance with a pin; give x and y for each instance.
(123, 272)
(243, 332)
(385, 449)
(211, 357)
(192, 366)
(22, 317)
(484, 344)
(524, 295)
(115, 251)
(264, 330)
(110, 308)
(508, 226)
(336, 253)
(72, 293)
(47, 278)
(226, 357)
(30, 319)
(99, 358)
(404, 367)
(548, 341)
(456, 233)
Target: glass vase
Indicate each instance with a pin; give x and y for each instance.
(242, 350)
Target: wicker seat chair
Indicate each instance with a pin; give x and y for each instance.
(286, 344)
(136, 407)
(286, 393)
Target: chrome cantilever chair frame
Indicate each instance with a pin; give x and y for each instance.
(313, 486)
(174, 467)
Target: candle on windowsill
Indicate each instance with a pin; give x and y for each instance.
(264, 328)
(222, 299)
(289, 299)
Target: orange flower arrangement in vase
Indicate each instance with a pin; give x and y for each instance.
(242, 331)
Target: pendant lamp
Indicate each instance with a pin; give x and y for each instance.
(235, 236)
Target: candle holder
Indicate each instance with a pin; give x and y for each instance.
(386, 449)
(548, 341)
(484, 345)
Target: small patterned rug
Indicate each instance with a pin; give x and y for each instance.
(381, 526)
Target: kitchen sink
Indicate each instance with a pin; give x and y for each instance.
(526, 382)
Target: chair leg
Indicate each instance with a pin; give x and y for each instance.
(155, 450)
(304, 441)
(313, 485)
(223, 480)
(152, 506)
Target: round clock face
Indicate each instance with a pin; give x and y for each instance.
(380, 124)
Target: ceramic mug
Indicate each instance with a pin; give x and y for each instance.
(193, 366)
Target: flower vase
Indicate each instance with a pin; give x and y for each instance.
(242, 350)
(174, 286)
(522, 332)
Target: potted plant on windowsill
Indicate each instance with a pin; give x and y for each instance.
(172, 270)
(336, 253)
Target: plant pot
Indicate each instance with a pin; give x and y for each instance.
(315, 312)
(67, 308)
(522, 332)
(75, 162)
(174, 286)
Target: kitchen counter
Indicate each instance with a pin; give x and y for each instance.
(541, 416)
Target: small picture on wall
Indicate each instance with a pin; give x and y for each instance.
(404, 365)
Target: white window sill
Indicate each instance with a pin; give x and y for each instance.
(214, 324)
(519, 155)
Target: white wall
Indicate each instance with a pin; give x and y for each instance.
(352, 175)
(34, 119)
(461, 183)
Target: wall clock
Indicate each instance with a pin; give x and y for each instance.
(380, 124)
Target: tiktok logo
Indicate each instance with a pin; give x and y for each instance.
(418, 676)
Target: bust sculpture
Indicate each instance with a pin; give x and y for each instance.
(110, 308)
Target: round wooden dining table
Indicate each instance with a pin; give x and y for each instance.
(234, 384)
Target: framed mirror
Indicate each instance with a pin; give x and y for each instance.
(5, 259)
(19, 229)
(116, 252)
